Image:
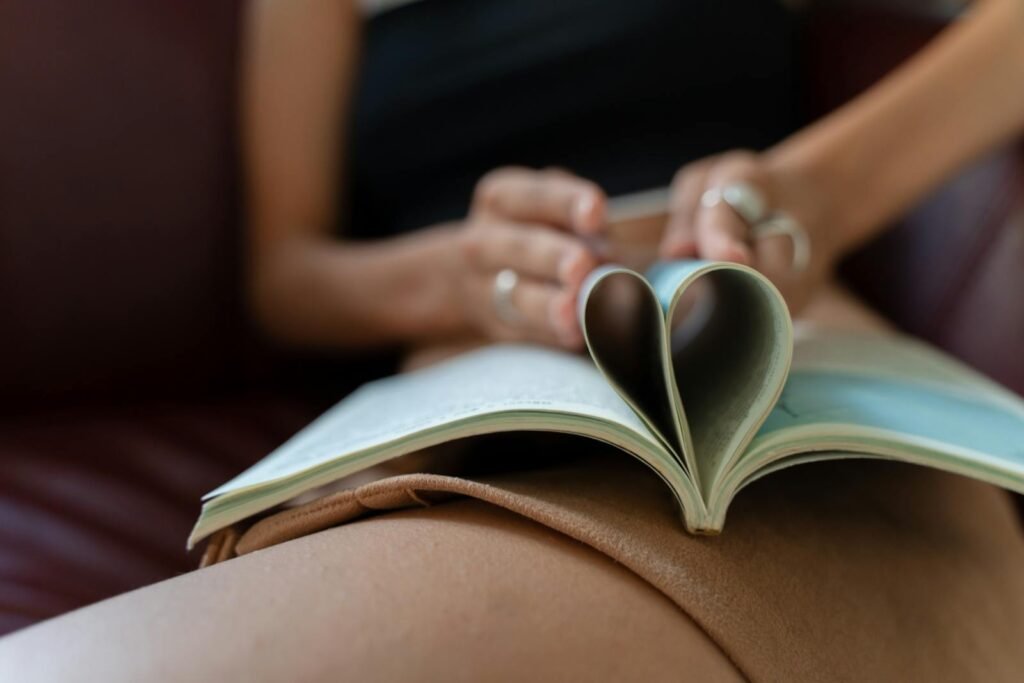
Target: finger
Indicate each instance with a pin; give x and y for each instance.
(544, 313)
(548, 313)
(553, 197)
(535, 251)
(680, 239)
(773, 254)
(722, 235)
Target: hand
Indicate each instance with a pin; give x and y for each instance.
(720, 233)
(532, 222)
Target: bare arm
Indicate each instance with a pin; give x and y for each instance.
(305, 287)
(850, 174)
(961, 96)
(310, 287)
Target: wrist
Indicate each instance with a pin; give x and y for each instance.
(823, 184)
(434, 301)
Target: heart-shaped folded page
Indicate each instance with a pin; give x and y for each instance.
(700, 350)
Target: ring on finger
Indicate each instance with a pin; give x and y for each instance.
(746, 200)
(781, 223)
(505, 283)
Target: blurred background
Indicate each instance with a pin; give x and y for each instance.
(124, 348)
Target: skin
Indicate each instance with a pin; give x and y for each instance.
(463, 591)
(842, 178)
(307, 287)
(852, 173)
(528, 604)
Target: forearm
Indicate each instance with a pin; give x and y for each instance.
(315, 291)
(878, 155)
(304, 286)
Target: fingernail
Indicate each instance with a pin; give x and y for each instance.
(572, 268)
(562, 314)
(721, 247)
(586, 213)
(680, 249)
(740, 254)
(598, 247)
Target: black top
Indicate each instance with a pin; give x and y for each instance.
(620, 91)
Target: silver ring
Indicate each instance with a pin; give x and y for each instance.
(782, 223)
(505, 283)
(743, 198)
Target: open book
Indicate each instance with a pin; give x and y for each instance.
(710, 391)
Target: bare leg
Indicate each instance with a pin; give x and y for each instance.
(463, 591)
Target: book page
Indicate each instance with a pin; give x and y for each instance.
(889, 395)
(511, 380)
(624, 328)
(893, 355)
(731, 349)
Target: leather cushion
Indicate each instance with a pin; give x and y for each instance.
(118, 245)
(97, 502)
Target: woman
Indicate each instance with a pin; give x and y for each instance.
(450, 93)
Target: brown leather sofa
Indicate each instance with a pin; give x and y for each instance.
(129, 384)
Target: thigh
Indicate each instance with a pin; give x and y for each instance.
(461, 591)
(96, 501)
